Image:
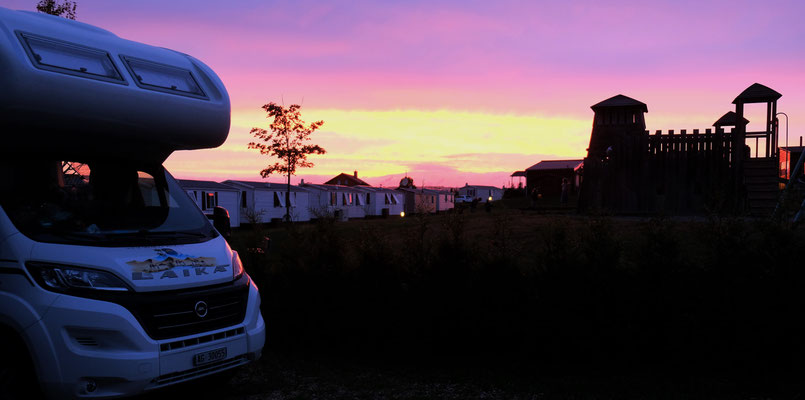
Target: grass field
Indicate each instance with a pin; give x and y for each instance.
(517, 303)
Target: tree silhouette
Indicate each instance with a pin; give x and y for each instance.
(52, 7)
(287, 141)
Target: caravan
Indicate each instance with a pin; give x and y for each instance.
(112, 281)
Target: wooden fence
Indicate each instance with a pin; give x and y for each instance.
(673, 173)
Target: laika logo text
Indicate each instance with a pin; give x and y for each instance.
(170, 264)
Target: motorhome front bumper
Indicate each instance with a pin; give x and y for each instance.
(102, 350)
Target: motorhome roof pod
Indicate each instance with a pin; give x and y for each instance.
(77, 88)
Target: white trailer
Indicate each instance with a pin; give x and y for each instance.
(208, 194)
(382, 201)
(483, 193)
(112, 282)
(341, 202)
(445, 200)
(263, 202)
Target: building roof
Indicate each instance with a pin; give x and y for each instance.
(332, 188)
(194, 184)
(620, 101)
(374, 189)
(518, 174)
(257, 185)
(418, 190)
(729, 119)
(346, 180)
(482, 186)
(421, 191)
(556, 164)
(757, 93)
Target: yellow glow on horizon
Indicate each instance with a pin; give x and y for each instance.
(380, 142)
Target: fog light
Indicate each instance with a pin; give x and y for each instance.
(87, 386)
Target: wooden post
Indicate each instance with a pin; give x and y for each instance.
(697, 170)
(719, 143)
(769, 130)
(681, 171)
(657, 166)
(670, 175)
(737, 162)
(776, 130)
(709, 163)
(683, 148)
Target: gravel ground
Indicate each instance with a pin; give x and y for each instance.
(281, 378)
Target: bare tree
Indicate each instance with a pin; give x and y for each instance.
(287, 140)
(53, 7)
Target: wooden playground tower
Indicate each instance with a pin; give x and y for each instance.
(628, 170)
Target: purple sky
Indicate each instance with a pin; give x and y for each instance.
(465, 91)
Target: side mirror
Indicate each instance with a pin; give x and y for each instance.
(220, 220)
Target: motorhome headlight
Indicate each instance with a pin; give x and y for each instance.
(63, 278)
(237, 266)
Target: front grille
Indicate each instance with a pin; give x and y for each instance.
(172, 314)
(177, 317)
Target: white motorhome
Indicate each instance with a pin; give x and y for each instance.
(112, 282)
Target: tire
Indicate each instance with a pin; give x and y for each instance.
(17, 375)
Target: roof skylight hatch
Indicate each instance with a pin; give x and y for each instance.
(70, 58)
(163, 78)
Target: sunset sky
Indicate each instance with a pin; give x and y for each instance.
(456, 92)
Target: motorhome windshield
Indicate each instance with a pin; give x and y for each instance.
(99, 203)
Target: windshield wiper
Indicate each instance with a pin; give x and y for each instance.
(146, 232)
(79, 235)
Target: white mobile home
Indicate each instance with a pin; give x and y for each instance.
(343, 202)
(266, 201)
(485, 193)
(445, 200)
(435, 200)
(208, 194)
(382, 201)
(418, 200)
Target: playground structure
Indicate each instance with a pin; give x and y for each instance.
(726, 168)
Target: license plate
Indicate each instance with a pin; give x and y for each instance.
(209, 356)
